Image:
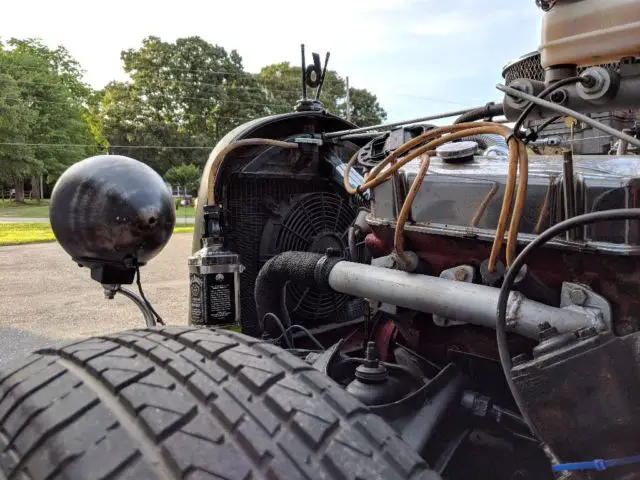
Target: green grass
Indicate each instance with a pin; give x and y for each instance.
(23, 233)
(33, 209)
(185, 212)
(28, 209)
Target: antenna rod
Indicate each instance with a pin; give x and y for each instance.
(324, 72)
(304, 68)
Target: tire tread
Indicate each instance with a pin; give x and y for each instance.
(181, 402)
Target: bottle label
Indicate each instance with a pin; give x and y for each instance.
(213, 299)
(220, 298)
(196, 303)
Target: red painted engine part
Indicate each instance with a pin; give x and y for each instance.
(617, 278)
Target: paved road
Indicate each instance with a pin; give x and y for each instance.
(179, 220)
(45, 297)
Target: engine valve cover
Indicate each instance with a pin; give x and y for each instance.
(464, 200)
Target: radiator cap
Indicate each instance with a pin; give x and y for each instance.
(457, 152)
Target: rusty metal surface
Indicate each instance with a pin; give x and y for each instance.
(584, 399)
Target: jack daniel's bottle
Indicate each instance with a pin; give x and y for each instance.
(214, 277)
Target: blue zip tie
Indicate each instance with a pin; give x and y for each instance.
(598, 464)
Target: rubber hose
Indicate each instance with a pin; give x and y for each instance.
(305, 269)
(488, 111)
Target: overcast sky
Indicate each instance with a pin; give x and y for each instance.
(418, 56)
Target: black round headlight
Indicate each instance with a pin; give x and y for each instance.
(111, 210)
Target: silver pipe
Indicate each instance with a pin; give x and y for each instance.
(110, 292)
(399, 124)
(572, 113)
(461, 301)
(362, 136)
(148, 316)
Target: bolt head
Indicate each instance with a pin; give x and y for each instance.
(577, 296)
(460, 274)
(559, 96)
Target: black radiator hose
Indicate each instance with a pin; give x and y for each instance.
(305, 269)
(488, 111)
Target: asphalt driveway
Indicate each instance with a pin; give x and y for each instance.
(45, 297)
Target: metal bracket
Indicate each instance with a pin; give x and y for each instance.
(581, 298)
(309, 140)
(461, 273)
(110, 292)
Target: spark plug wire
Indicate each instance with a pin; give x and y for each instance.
(426, 143)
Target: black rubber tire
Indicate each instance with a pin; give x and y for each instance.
(187, 403)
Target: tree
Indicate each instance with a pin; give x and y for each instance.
(182, 98)
(16, 155)
(282, 83)
(48, 83)
(364, 106)
(184, 176)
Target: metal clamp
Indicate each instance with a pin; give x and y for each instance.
(579, 297)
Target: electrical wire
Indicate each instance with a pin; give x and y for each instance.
(375, 176)
(512, 272)
(311, 336)
(518, 208)
(483, 205)
(546, 123)
(550, 89)
(287, 331)
(212, 86)
(69, 145)
(571, 113)
(204, 99)
(398, 238)
(517, 154)
(427, 141)
(275, 318)
(144, 299)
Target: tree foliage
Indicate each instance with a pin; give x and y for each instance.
(45, 110)
(185, 94)
(184, 176)
(16, 156)
(283, 85)
(364, 108)
(181, 98)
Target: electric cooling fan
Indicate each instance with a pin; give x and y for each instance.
(313, 222)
